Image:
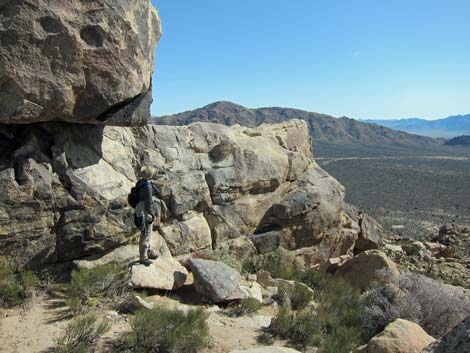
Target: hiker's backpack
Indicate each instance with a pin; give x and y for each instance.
(133, 197)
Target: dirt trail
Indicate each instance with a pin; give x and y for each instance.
(33, 329)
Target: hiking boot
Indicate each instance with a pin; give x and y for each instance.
(146, 262)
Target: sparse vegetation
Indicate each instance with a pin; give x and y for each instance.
(88, 286)
(334, 318)
(81, 335)
(434, 306)
(15, 289)
(222, 255)
(280, 263)
(246, 306)
(163, 330)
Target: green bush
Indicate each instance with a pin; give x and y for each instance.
(163, 330)
(81, 335)
(280, 263)
(300, 296)
(88, 286)
(247, 306)
(15, 289)
(334, 324)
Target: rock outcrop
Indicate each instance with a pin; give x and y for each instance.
(78, 61)
(400, 336)
(64, 187)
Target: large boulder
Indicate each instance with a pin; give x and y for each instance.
(366, 268)
(215, 280)
(79, 61)
(400, 336)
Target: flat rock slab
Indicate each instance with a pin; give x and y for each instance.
(271, 349)
(121, 255)
(162, 274)
(216, 280)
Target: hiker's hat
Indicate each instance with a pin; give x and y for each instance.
(148, 173)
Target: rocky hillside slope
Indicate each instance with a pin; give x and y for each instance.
(331, 136)
(459, 141)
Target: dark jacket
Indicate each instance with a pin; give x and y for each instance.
(145, 191)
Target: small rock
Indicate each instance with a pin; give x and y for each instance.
(253, 290)
(135, 303)
(394, 248)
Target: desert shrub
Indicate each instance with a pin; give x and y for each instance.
(297, 297)
(282, 324)
(163, 330)
(410, 249)
(383, 304)
(300, 296)
(442, 306)
(15, 289)
(280, 263)
(306, 331)
(88, 286)
(436, 307)
(246, 306)
(81, 335)
(336, 316)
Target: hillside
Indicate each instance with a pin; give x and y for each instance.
(463, 140)
(336, 137)
(449, 127)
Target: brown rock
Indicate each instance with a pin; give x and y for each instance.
(361, 270)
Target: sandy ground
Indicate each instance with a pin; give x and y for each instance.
(34, 328)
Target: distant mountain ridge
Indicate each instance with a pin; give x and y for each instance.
(449, 127)
(331, 136)
(463, 140)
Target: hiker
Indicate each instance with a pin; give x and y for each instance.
(145, 198)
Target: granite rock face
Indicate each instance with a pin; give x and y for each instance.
(64, 186)
(77, 61)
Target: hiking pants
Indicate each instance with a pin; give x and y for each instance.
(145, 231)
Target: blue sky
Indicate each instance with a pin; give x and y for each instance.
(356, 58)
